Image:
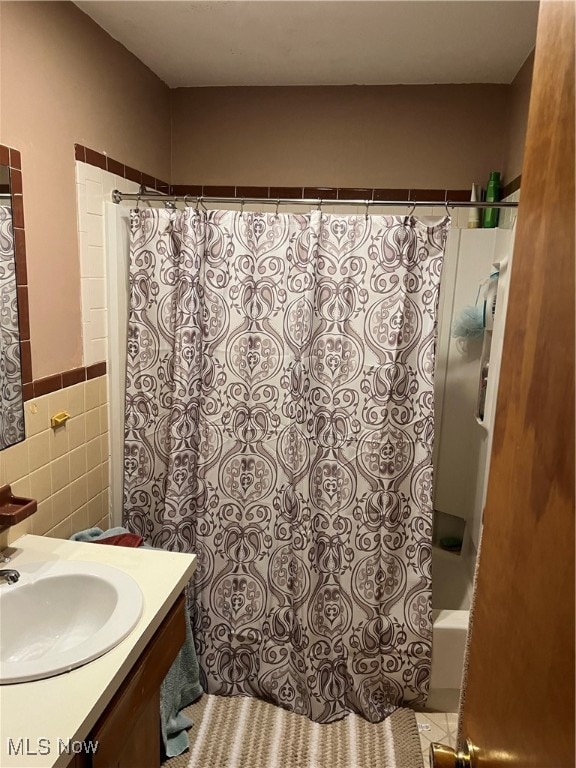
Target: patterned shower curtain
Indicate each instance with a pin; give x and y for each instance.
(279, 424)
(11, 406)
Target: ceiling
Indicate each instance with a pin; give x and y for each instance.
(323, 42)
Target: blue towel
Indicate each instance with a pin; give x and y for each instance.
(181, 686)
(91, 534)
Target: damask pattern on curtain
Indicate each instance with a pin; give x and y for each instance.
(11, 407)
(279, 423)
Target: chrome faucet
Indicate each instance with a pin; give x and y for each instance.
(9, 575)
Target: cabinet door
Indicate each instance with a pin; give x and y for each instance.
(128, 733)
(140, 746)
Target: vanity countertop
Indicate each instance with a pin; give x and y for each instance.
(64, 708)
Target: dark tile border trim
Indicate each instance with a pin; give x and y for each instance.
(323, 193)
(11, 158)
(100, 160)
(62, 380)
(511, 187)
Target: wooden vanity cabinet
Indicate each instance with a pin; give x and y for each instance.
(128, 732)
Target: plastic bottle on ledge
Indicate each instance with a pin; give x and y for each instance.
(490, 215)
(474, 215)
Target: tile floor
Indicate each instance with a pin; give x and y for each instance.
(436, 726)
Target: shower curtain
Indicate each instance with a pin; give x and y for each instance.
(11, 407)
(279, 424)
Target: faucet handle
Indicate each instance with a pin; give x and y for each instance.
(4, 558)
(9, 575)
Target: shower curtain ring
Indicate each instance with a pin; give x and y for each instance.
(185, 201)
(138, 202)
(242, 205)
(446, 206)
(410, 213)
(367, 205)
(320, 204)
(277, 206)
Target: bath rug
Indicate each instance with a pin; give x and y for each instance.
(242, 732)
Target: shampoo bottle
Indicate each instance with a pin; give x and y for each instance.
(474, 215)
(490, 215)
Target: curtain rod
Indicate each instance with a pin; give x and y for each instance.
(118, 197)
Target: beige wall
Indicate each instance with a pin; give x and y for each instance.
(439, 136)
(64, 80)
(519, 100)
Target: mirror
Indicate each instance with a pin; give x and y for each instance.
(11, 403)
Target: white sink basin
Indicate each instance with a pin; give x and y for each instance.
(60, 615)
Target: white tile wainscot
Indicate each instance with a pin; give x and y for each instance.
(93, 188)
(65, 470)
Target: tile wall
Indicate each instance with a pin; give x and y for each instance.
(65, 470)
(508, 216)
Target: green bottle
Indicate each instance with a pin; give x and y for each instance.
(490, 215)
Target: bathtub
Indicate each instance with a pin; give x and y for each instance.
(451, 594)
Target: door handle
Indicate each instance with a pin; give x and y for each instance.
(442, 756)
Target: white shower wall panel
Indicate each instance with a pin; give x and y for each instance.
(458, 434)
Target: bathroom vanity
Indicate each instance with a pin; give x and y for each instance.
(115, 699)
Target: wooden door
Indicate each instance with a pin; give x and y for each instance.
(519, 700)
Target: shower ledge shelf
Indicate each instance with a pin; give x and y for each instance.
(436, 548)
(483, 424)
(457, 514)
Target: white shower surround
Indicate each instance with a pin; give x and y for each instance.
(470, 258)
